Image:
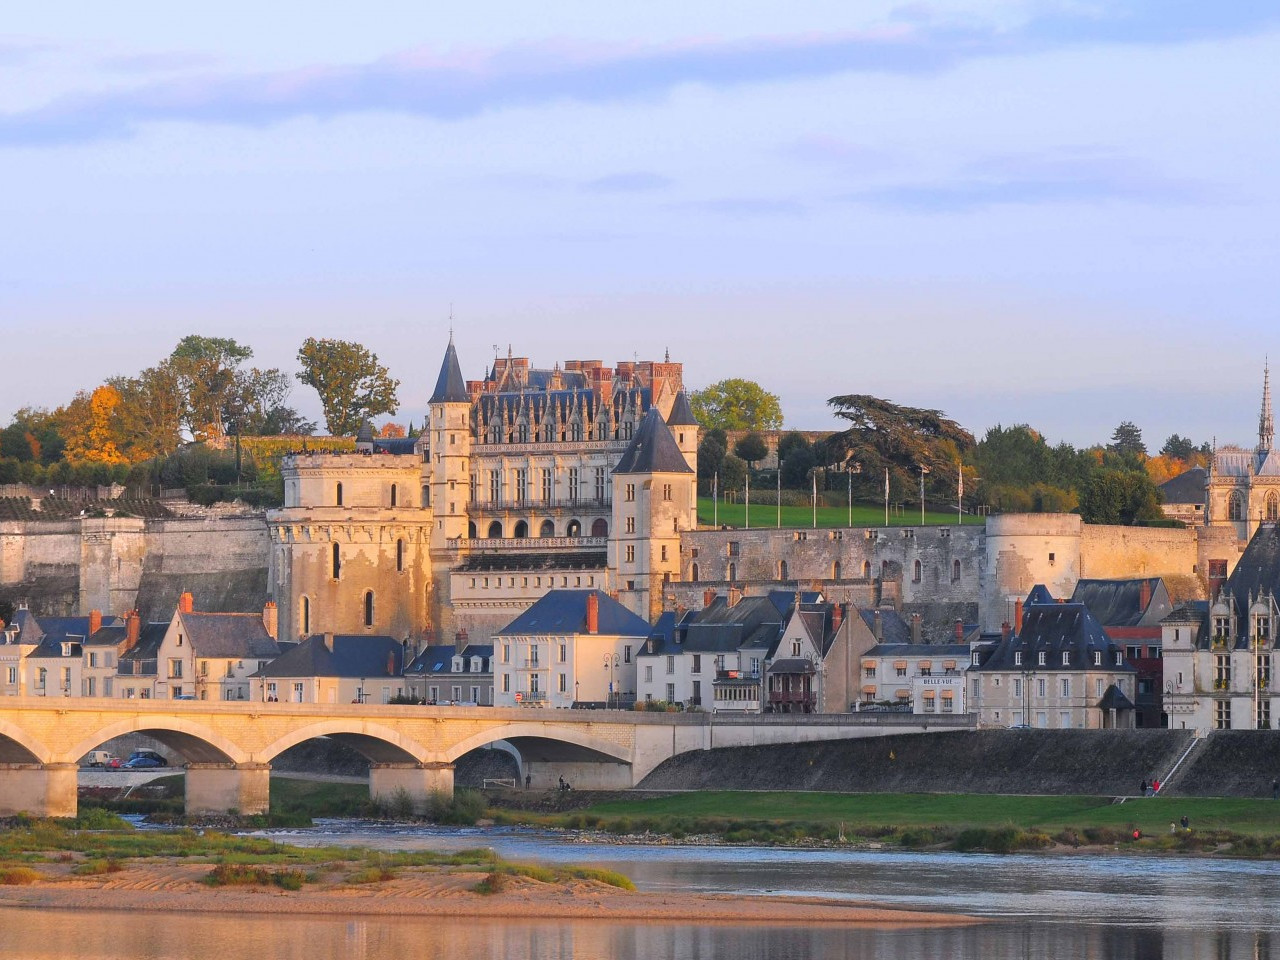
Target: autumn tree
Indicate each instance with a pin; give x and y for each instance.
(206, 368)
(150, 411)
(91, 426)
(352, 385)
(392, 431)
(735, 404)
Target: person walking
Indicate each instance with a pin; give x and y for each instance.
(528, 779)
(1142, 789)
(1155, 787)
(1275, 788)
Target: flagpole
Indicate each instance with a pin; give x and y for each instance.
(815, 499)
(748, 503)
(715, 499)
(779, 493)
(886, 496)
(850, 498)
(960, 496)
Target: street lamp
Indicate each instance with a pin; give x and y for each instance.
(611, 663)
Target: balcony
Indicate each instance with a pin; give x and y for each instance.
(529, 543)
(792, 701)
(533, 696)
(536, 504)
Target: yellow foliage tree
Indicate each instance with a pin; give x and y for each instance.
(90, 424)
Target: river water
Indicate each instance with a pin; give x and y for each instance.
(1060, 907)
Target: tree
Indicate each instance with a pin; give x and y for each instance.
(392, 431)
(261, 405)
(751, 448)
(736, 404)
(1127, 439)
(206, 368)
(1120, 497)
(796, 458)
(151, 408)
(733, 474)
(352, 385)
(1180, 448)
(91, 427)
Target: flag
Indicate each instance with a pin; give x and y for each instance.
(886, 484)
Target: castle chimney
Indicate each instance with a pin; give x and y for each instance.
(95, 621)
(271, 619)
(328, 642)
(734, 596)
(837, 617)
(132, 630)
(1005, 630)
(1146, 595)
(877, 626)
(1017, 616)
(593, 612)
(186, 602)
(915, 628)
(460, 638)
(708, 597)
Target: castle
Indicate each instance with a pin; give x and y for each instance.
(1243, 486)
(581, 476)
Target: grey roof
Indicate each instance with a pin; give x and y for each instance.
(563, 612)
(150, 636)
(1040, 594)
(450, 387)
(402, 446)
(754, 622)
(1258, 568)
(1118, 603)
(959, 651)
(351, 656)
(1054, 629)
(1114, 699)
(681, 412)
(33, 629)
(1186, 487)
(439, 659)
(234, 636)
(365, 433)
(653, 449)
(791, 665)
(893, 629)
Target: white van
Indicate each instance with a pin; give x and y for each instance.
(102, 758)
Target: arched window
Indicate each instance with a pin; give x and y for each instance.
(399, 555)
(339, 494)
(471, 529)
(1273, 507)
(304, 616)
(574, 529)
(368, 608)
(337, 561)
(1235, 506)
(548, 529)
(733, 572)
(393, 494)
(782, 570)
(694, 573)
(600, 527)
(917, 570)
(955, 571)
(866, 569)
(521, 530)
(835, 570)
(426, 495)
(495, 530)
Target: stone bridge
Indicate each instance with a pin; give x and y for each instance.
(229, 747)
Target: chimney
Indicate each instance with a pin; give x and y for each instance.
(959, 631)
(1005, 630)
(593, 612)
(271, 619)
(132, 629)
(877, 626)
(837, 617)
(95, 621)
(734, 596)
(1146, 595)
(460, 638)
(328, 642)
(708, 597)
(1017, 616)
(186, 602)
(915, 628)
(391, 663)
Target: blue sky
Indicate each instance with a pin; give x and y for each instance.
(1062, 212)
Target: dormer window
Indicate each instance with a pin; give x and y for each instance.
(975, 658)
(1262, 627)
(1066, 658)
(1041, 659)
(1118, 658)
(457, 664)
(1017, 658)
(1097, 658)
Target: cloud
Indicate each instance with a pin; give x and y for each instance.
(744, 207)
(18, 51)
(160, 62)
(422, 83)
(637, 182)
(1068, 177)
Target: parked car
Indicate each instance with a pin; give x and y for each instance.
(102, 758)
(141, 763)
(115, 763)
(148, 755)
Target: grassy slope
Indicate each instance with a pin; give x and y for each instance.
(1152, 815)
(864, 515)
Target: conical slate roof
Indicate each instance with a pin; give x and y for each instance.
(653, 449)
(450, 387)
(681, 412)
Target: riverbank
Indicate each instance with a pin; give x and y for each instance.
(436, 892)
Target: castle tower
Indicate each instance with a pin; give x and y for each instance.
(449, 448)
(1266, 421)
(654, 498)
(684, 427)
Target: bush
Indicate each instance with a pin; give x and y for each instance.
(372, 874)
(494, 882)
(95, 868)
(243, 875)
(18, 876)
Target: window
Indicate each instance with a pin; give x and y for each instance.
(399, 556)
(473, 483)
(630, 495)
(648, 674)
(1097, 658)
(573, 483)
(175, 669)
(663, 553)
(977, 687)
(600, 482)
(693, 573)
(1097, 687)
(506, 683)
(900, 668)
(564, 683)
(1263, 718)
(338, 494)
(671, 693)
(626, 653)
(368, 608)
(564, 651)
(1017, 687)
(1040, 687)
(393, 494)
(297, 693)
(795, 648)
(955, 571)
(697, 663)
(1017, 658)
(1066, 658)
(868, 671)
(1222, 714)
(631, 553)
(631, 524)
(735, 548)
(522, 485)
(1235, 510)
(666, 491)
(337, 562)
(671, 665)
(733, 571)
(782, 570)
(1041, 658)
(546, 486)
(1263, 666)
(1066, 686)
(495, 486)
(1222, 672)
(506, 653)
(916, 572)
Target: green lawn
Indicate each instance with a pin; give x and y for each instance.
(1151, 815)
(864, 515)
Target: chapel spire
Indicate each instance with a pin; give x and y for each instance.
(1266, 421)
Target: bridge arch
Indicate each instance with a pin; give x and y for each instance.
(17, 746)
(588, 746)
(193, 741)
(376, 742)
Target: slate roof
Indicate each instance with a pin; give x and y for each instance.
(1194, 612)
(1054, 629)
(563, 612)
(653, 449)
(450, 387)
(351, 656)
(1258, 568)
(681, 412)
(145, 651)
(35, 630)
(893, 629)
(439, 659)
(1118, 603)
(397, 445)
(1186, 487)
(1040, 594)
(231, 636)
(932, 651)
(1114, 699)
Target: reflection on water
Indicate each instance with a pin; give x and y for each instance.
(96, 935)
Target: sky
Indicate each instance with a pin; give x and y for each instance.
(1057, 212)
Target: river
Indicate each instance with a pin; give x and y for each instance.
(1061, 907)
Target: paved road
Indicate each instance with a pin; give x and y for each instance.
(92, 777)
